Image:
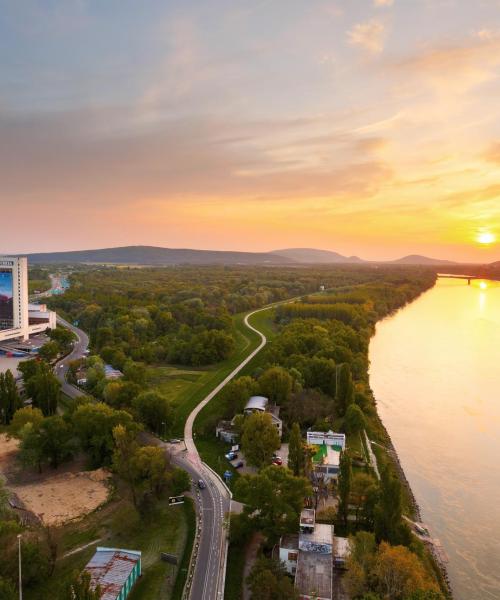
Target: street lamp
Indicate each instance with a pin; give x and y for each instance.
(20, 575)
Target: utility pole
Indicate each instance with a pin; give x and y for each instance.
(20, 574)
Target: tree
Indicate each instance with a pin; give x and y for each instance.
(388, 511)
(56, 440)
(135, 372)
(296, 451)
(44, 389)
(345, 389)
(179, 481)
(49, 351)
(7, 589)
(154, 411)
(236, 393)
(30, 448)
(150, 464)
(365, 493)
(260, 439)
(398, 573)
(9, 397)
(22, 417)
(268, 580)
(93, 425)
(344, 486)
(273, 499)
(80, 588)
(354, 420)
(126, 447)
(276, 384)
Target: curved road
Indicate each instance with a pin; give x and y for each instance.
(209, 559)
(213, 502)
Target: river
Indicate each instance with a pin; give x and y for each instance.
(435, 372)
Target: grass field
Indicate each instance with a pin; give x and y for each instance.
(119, 525)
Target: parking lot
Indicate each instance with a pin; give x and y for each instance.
(247, 470)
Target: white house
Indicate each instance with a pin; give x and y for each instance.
(329, 438)
(261, 404)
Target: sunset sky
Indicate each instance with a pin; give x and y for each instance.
(368, 127)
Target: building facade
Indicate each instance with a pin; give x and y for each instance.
(18, 318)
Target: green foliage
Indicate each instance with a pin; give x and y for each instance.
(260, 439)
(7, 589)
(388, 524)
(276, 384)
(296, 451)
(49, 441)
(345, 389)
(93, 426)
(154, 411)
(236, 393)
(268, 580)
(80, 588)
(344, 486)
(9, 397)
(49, 351)
(354, 420)
(42, 386)
(273, 499)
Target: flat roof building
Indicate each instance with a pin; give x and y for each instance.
(19, 319)
(115, 571)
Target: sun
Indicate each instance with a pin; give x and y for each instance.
(485, 237)
(483, 285)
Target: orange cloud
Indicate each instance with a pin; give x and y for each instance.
(370, 36)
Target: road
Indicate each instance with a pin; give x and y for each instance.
(208, 578)
(213, 502)
(79, 348)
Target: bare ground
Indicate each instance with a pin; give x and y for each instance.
(54, 496)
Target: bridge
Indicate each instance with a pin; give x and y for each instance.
(454, 276)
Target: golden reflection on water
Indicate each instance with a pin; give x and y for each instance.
(435, 371)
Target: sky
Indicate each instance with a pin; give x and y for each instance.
(367, 127)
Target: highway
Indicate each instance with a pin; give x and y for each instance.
(78, 351)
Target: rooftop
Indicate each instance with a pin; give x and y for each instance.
(318, 541)
(314, 575)
(307, 516)
(257, 403)
(290, 541)
(329, 455)
(110, 568)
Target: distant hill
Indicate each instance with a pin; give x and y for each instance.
(155, 256)
(312, 255)
(417, 259)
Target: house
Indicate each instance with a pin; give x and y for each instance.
(326, 462)
(261, 404)
(289, 551)
(226, 432)
(314, 570)
(329, 438)
(115, 571)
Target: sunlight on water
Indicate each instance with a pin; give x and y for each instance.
(435, 371)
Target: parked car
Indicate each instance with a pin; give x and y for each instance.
(201, 484)
(238, 465)
(174, 441)
(278, 461)
(231, 455)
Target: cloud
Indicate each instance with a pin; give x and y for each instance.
(369, 35)
(456, 68)
(492, 154)
(379, 3)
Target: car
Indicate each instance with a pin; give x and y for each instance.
(238, 465)
(201, 484)
(174, 441)
(278, 461)
(231, 455)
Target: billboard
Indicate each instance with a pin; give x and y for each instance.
(6, 299)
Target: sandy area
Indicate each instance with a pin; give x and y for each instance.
(54, 496)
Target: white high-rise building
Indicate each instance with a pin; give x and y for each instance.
(19, 319)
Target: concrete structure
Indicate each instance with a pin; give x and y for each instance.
(18, 318)
(225, 432)
(261, 404)
(115, 571)
(330, 438)
(314, 568)
(289, 551)
(326, 462)
(341, 551)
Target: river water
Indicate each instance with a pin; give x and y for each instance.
(435, 372)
